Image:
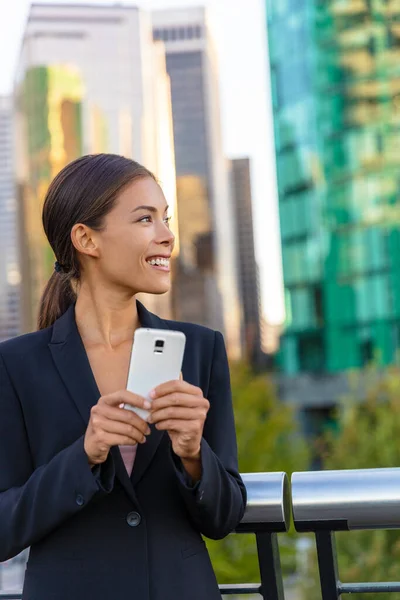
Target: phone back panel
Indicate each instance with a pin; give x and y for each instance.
(157, 356)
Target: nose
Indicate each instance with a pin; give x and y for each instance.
(165, 236)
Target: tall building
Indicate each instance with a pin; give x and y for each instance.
(336, 90)
(206, 283)
(9, 259)
(249, 285)
(90, 79)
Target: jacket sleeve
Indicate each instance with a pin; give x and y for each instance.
(33, 502)
(217, 502)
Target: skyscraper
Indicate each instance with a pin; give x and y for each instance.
(9, 260)
(249, 284)
(90, 79)
(336, 89)
(206, 284)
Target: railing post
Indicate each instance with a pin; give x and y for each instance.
(327, 564)
(270, 566)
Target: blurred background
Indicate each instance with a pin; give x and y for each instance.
(274, 129)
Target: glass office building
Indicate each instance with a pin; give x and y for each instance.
(240, 174)
(336, 103)
(50, 98)
(206, 285)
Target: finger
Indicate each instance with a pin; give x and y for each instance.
(100, 422)
(176, 385)
(179, 399)
(177, 413)
(178, 426)
(99, 413)
(124, 416)
(123, 429)
(125, 397)
(104, 430)
(115, 439)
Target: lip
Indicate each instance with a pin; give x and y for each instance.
(158, 256)
(159, 267)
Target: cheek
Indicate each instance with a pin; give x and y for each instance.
(126, 248)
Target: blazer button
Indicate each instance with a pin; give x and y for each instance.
(79, 500)
(133, 519)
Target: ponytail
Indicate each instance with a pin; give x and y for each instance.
(56, 299)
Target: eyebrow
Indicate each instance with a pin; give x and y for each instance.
(152, 209)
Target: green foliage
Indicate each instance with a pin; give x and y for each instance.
(268, 440)
(368, 437)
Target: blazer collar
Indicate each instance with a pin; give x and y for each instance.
(73, 365)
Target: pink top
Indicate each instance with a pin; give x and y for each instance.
(128, 454)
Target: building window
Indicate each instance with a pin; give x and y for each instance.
(318, 305)
(366, 352)
(311, 352)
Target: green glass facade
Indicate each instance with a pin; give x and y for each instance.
(335, 75)
(50, 117)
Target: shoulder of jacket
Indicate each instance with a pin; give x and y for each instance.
(28, 342)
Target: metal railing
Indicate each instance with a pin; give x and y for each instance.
(267, 513)
(328, 501)
(323, 502)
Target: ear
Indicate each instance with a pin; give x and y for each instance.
(84, 240)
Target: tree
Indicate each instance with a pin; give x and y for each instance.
(268, 440)
(368, 437)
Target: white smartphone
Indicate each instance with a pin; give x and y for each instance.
(157, 356)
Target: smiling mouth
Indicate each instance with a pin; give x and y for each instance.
(159, 263)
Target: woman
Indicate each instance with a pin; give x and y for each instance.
(112, 507)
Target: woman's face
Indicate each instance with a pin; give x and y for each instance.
(136, 243)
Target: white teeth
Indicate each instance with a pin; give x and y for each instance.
(163, 262)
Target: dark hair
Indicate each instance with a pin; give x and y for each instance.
(84, 191)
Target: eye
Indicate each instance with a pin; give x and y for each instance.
(146, 219)
(167, 220)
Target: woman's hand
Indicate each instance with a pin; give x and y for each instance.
(179, 408)
(111, 425)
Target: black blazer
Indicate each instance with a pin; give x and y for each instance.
(100, 534)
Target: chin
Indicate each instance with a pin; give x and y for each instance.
(161, 289)
(157, 289)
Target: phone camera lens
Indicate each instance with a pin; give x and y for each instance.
(159, 343)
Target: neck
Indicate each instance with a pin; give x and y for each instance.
(104, 317)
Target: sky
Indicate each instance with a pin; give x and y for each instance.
(239, 28)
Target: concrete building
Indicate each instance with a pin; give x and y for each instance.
(249, 285)
(206, 283)
(90, 79)
(10, 277)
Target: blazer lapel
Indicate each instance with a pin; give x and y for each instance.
(146, 452)
(73, 365)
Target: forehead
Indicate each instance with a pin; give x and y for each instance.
(143, 191)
